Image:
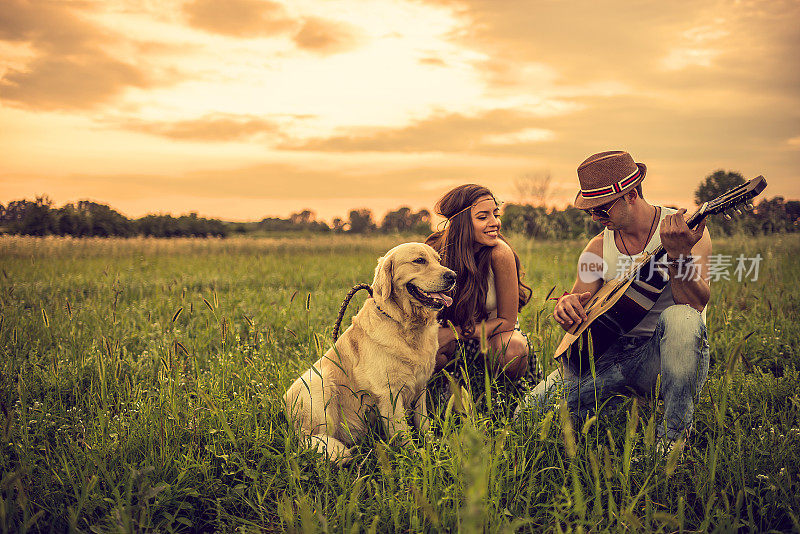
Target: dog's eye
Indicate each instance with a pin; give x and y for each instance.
(420, 261)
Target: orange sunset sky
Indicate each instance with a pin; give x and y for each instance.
(242, 109)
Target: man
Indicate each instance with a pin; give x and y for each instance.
(670, 339)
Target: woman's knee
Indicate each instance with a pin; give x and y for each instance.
(513, 358)
(444, 354)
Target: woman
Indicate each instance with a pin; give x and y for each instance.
(489, 288)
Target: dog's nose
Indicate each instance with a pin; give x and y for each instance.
(449, 276)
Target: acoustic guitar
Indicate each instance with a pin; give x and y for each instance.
(623, 302)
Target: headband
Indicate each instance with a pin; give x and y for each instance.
(459, 212)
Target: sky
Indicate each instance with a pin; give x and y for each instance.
(243, 109)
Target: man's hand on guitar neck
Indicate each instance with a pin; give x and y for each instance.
(569, 309)
(689, 286)
(676, 236)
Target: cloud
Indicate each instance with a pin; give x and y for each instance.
(680, 144)
(559, 35)
(263, 18)
(441, 132)
(419, 184)
(696, 47)
(47, 25)
(528, 135)
(213, 127)
(239, 18)
(70, 69)
(722, 45)
(325, 36)
(433, 61)
(69, 82)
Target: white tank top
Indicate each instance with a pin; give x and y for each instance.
(617, 262)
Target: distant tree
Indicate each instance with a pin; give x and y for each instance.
(773, 215)
(31, 218)
(793, 211)
(307, 221)
(421, 222)
(274, 224)
(533, 188)
(716, 184)
(405, 220)
(104, 221)
(339, 224)
(538, 223)
(397, 221)
(184, 226)
(304, 221)
(361, 221)
(15, 211)
(72, 222)
(303, 218)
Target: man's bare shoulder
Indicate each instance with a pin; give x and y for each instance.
(595, 245)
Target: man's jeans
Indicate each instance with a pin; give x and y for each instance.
(677, 350)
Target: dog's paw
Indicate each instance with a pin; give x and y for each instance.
(345, 457)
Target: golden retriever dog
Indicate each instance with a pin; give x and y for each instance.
(380, 365)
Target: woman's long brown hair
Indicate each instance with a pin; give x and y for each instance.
(455, 246)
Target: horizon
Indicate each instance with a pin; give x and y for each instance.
(254, 108)
(378, 215)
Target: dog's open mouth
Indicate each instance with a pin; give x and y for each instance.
(437, 301)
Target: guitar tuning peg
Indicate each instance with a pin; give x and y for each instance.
(748, 206)
(738, 211)
(727, 216)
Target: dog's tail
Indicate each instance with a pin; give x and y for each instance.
(347, 299)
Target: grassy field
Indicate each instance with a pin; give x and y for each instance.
(140, 387)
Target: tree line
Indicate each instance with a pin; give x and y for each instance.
(38, 217)
(768, 216)
(85, 218)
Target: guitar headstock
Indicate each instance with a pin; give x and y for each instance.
(735, 197)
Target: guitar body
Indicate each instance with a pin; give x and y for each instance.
(614, 310)
(622, 303)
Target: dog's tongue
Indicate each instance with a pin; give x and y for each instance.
(444, 298)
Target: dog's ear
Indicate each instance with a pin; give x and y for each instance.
(382, 284)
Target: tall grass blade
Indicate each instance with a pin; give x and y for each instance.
(566, 429)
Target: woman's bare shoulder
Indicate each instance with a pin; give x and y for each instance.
(502, 257)
(501, 251)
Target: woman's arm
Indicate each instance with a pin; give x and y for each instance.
(506, 285)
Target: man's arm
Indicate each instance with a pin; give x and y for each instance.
(569, 309)
(690, 283)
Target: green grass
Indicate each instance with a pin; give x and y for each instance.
(141, 384)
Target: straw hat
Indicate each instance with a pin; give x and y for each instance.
(607, 176)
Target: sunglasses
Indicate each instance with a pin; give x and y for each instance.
(601, 211)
